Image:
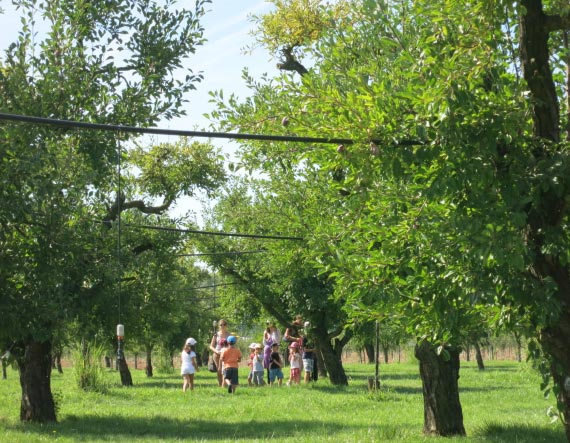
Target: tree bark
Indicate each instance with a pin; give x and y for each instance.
(479, 356)
(57, 361)
(556, 343)
(148, 367)
(126, 378)
(332, 361)
(442, 409)
(369, 348)
(37, 404)
(550, 210)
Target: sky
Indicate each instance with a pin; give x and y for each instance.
(221, 60)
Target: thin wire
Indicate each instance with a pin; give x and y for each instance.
(201, 254)
(119, 222)
(206, 134)
(223, 234)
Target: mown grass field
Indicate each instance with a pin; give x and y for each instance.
(501, 404)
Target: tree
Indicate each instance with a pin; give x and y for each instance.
(115, 62)
(279, 278)
(452, 197)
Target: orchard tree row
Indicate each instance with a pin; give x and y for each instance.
(448, 212)
(443, 216)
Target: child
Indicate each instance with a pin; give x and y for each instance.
(251, 348)
(257, 365)
(295, 361)
(189, 366)
(275, 365)
(230, 358)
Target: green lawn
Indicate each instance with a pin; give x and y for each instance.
(501, 404)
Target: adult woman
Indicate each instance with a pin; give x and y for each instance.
(216, 345)
(270, 336)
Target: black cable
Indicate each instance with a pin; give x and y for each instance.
(223, 234)
(206, 134)
(221, 253)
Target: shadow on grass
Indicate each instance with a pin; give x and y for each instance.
(498, 433)
(86, 427)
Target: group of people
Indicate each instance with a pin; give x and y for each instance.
(263, 357)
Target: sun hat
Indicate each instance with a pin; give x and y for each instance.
(252, 346)
(294, 345)
(191, 341)
(258, 346)
(232, 340)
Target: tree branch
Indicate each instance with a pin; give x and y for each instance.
(557, 22)
(290, 63)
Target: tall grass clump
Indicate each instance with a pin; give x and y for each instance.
(88, 367)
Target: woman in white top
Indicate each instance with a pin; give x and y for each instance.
(188, 366)
(216, 347)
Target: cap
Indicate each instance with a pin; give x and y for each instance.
(231, 340)
(294, 345)
(275, 344)
(191, 341)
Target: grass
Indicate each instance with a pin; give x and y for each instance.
(501, 404)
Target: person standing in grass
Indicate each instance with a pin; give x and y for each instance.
(275, 365)
(270, 336)
(188, 366)
(230, 358)
(251, 348)
(257, 365)
(308, 353)
(216, 347)
(295, 363)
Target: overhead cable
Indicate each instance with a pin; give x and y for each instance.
(206, 134)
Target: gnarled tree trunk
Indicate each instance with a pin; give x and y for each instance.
(37, 404)
(442, 410)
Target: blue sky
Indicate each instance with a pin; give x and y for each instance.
(221, 59)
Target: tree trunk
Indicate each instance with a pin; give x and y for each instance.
(468, 353)
(107, 361)
(4, 371)
(331, 359)
(442, 409)
(385, 351)
(57, 360)
(369, 348)
(556, 343)
(479, 356)
(550, 210)
(148, 367)
(126, 378)
(518, 341)
(37, 404)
